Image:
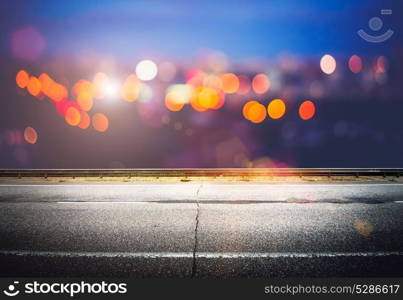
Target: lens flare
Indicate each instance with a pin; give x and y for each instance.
(131, 88)
(99, 82)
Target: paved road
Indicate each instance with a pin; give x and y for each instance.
(201, 229)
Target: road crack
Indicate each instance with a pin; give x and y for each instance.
(196, 241)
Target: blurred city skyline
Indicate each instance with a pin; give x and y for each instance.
(115, 84)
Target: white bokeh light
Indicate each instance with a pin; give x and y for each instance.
(146, 70)
(328, 64)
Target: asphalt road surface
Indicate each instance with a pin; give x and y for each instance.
(201, 229)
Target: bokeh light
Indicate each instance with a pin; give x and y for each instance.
(276, 109)
(84, 120)
(246, 108)
(381, 64)
(166, 71)
(171, 102)
(254, 111)
(363, 227)
(34, 86)
(146, 70)
(27, 44)
(13, 137)
(100, 122)
(207, 98)
(355, 64)
(131, 88)
(30, 135)
(220, 102)
(261, 83)
(328, 64)
(46, 83)
(177, 96)
(57, 92)
(99, 82)
(22, 79)
(230, 83)
(212, 81)
(85, 101)
(194, 101)
(217, 61)
(146, 92)
(307, 110)
(244, 85)
(72, 116)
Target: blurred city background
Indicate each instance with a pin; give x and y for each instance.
(200, 84)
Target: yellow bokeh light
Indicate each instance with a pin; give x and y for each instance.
(131, 88)
(82, 86)
(207, 98)
(177, 96)
(276, 109)
(171, 102)
(85, 101)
